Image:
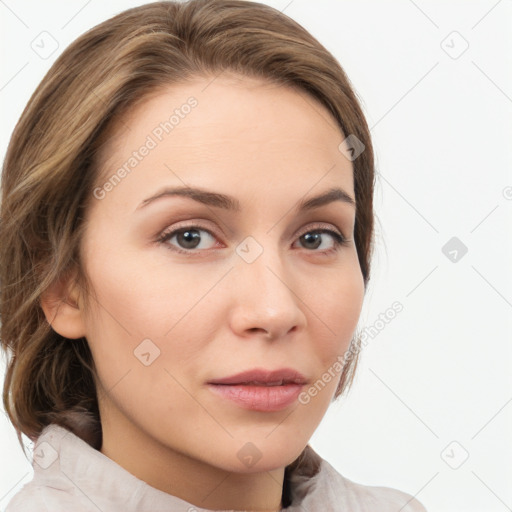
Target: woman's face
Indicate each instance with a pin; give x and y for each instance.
(193, 287)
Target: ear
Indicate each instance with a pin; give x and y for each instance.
(61, 304)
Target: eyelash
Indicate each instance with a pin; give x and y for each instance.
(165, 236)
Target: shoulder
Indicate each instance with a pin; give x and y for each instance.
(42, 498)
(316, 485)
(370, 498)
(52, 488)
(28, 498)
(384, 499)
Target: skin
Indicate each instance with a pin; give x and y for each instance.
(214, 314)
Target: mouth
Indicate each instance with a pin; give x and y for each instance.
(262, 377)
(260, 390)
(258, 383)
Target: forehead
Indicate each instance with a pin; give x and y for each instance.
(226, 128)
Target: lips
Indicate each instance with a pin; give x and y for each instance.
(260, 390)
(262, 377)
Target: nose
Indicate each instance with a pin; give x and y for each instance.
(265, 300)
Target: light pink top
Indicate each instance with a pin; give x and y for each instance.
(72, 476)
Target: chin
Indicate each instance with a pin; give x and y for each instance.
(258, 456)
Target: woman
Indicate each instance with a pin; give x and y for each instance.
(187, 225)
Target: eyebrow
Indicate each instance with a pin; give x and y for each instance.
(227, 202)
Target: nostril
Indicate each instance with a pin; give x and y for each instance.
(256, 329)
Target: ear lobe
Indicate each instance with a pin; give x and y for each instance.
(61, 307)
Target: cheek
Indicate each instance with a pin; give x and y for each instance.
(140, 335)
(141, 299)
(333, 318)
(339, 308)
(144, 297)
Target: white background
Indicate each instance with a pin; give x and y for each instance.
(442, 125)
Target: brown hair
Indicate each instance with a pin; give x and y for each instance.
(50, 170)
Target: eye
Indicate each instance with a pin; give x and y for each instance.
(187, 238)
(316, 240)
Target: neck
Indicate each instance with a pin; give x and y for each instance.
(190, 479)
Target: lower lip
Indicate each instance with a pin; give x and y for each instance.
(259, 398)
